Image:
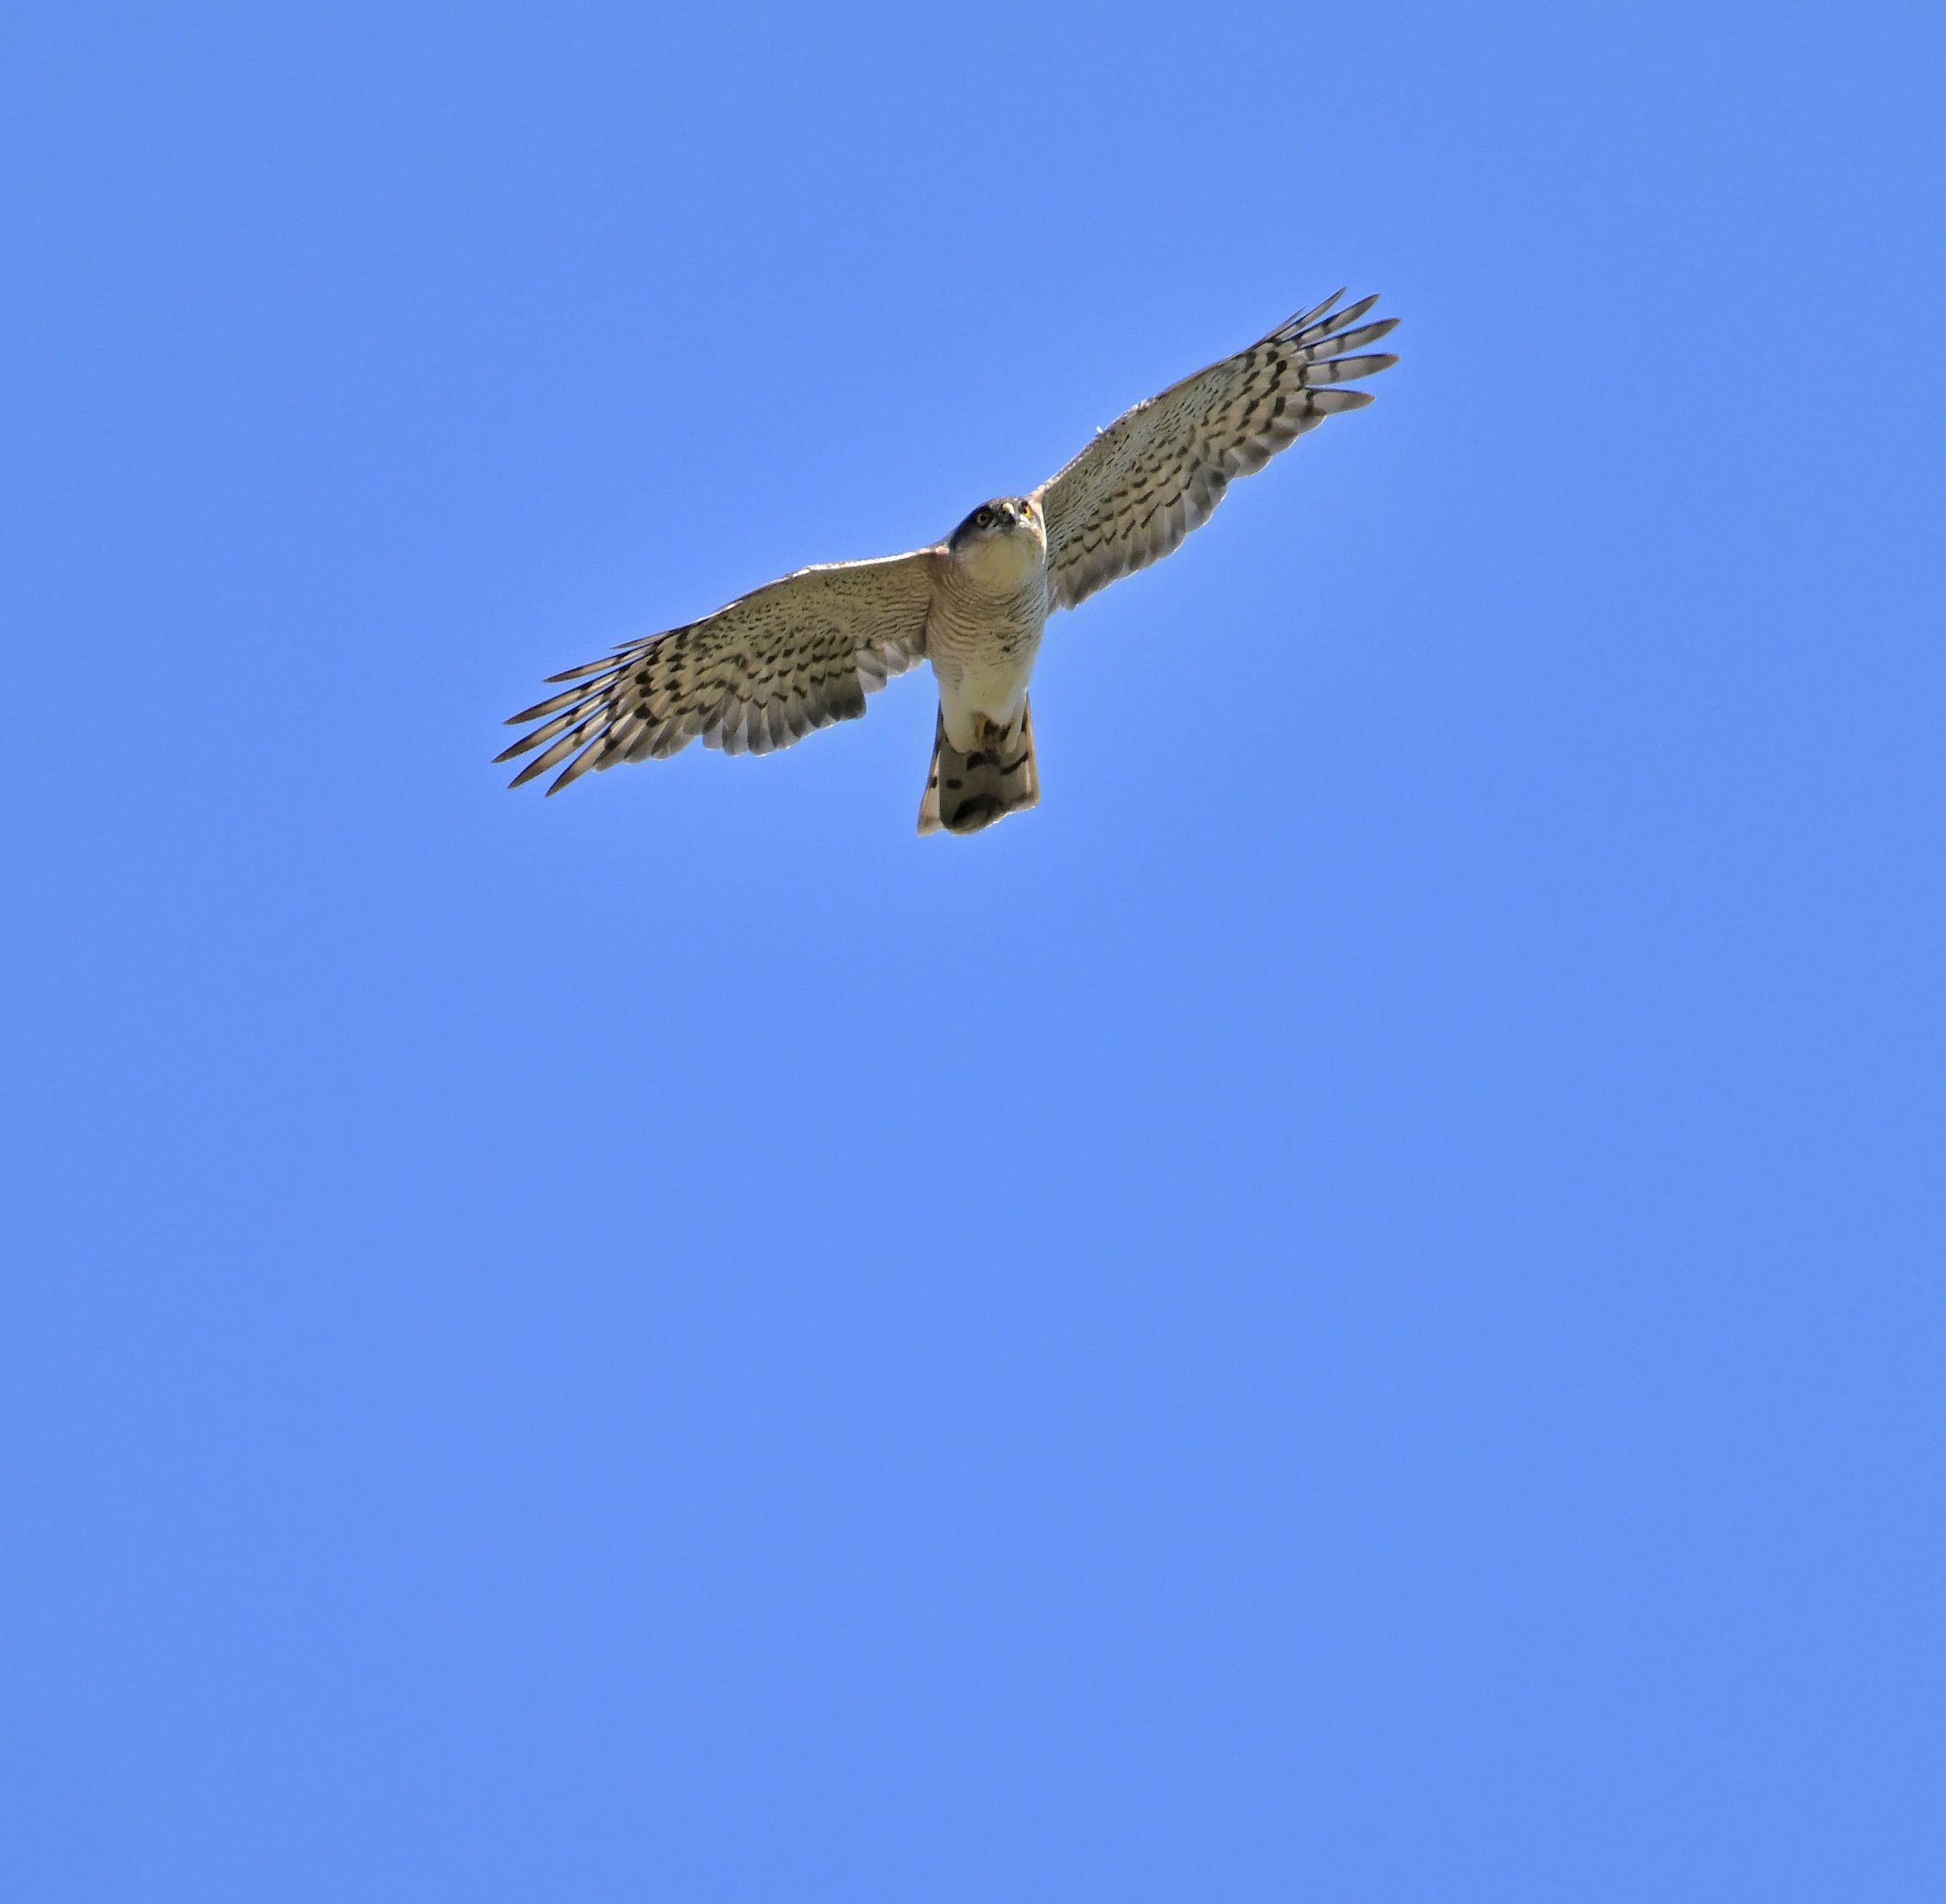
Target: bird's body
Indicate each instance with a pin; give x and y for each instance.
(803, 652)
(990, 605)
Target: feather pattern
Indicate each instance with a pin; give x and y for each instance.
(796, 654)
(1158, 470)
(803, 652)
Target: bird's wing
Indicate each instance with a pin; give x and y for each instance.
(1157, 471)
(796, 654)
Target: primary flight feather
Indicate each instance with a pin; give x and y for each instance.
(803, 652)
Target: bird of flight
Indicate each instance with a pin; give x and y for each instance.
(803, 652)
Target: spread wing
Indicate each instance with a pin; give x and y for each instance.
(1157, 471)
(795, 654)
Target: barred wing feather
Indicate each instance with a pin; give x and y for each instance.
(798, 653)
(1157, 471)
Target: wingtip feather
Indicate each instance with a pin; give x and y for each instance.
(1344, 369)
(1290, 326)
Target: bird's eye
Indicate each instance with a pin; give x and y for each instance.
(984, 518)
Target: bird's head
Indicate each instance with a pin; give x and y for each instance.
(1002, 543)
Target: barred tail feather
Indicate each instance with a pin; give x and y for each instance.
(965, 792)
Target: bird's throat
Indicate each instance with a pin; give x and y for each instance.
(1001, 565)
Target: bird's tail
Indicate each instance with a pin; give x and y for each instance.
(964, 792)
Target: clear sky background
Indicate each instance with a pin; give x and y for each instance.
(1353, 1309)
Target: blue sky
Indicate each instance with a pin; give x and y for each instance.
(1356, 1314)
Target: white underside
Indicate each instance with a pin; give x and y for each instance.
(983, 690)
(985, 633)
